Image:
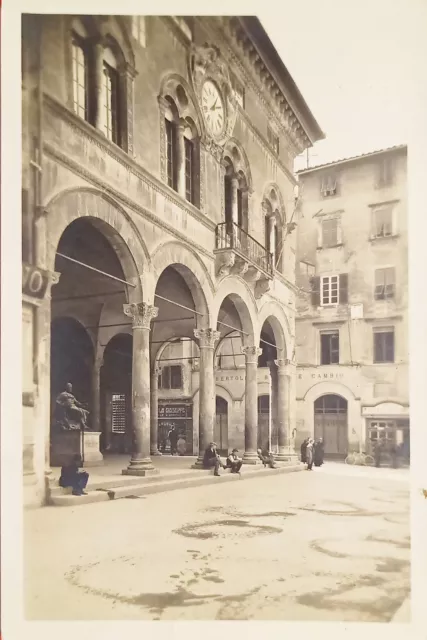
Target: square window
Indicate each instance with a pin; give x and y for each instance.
(382, 222)
(329, 186)
(329, 347)
(330, 233)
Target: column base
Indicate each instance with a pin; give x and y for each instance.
(287, 456)
(251, 457)
(140, 467)
(198, 464)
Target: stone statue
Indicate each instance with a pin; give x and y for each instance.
(70, 414)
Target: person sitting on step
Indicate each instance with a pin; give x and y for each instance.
(266, 458)
(212, 459)
(72, 477)
(234, 462)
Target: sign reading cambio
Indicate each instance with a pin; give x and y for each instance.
(34, 281)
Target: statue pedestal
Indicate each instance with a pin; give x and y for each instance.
(65, 444)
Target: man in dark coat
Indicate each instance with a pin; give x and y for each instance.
(319, 452)
(211, 459)
(173, 439)
(72, 477)
(304, 450)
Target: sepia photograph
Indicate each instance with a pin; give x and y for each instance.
(216, 402)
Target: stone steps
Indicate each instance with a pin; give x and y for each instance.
(150, 485)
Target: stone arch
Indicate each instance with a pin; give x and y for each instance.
(223, 392)
(114, 30)
(244, 301)
(278, 199)
(234, 150)
(113, 222)
(170, 85)
(276, 316)
(193, 271)
(325, 388)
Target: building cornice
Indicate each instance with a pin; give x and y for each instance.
(77, 168)
(237, 47)
(130, 164)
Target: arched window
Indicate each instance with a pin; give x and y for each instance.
(171, 131)
(182, 141)
(101, 79)
(110, 96)
(80, 70)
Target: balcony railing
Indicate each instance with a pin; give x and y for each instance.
(231, 236)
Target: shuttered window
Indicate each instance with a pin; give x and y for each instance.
(329, 290)
(384, 283)
(171, 377)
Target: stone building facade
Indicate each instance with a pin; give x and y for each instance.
(352, 309)
(157, 188)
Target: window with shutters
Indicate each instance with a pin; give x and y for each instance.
(385, 175)
(171, 377)
(329, 185)
(330, 233)
(382, 222)
(384, 283)
(383, 344)
(329, 347)
(118, 413)
(189, 170)
(329, 290)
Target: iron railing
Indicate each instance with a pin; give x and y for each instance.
(229, 235)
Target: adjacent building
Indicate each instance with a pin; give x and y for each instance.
(157, 202)
(352, 307)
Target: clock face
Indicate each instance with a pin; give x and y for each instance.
(213, 108)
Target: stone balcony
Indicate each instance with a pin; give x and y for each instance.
(239, 253)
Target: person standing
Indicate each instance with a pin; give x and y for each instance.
(234, 462)
(377, 454)
(304, 449)
(319, 452)
(173, 439)
(309, 454)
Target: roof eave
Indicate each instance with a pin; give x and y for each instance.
(260, 39)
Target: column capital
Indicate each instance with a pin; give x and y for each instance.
(252, 354)
(284, 364)
(207, 337)
(141, 313)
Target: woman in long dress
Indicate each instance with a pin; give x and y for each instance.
(319, 453)
(309, 454)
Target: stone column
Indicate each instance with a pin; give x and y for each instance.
(251, 404)
(286, 451)
(95, 418)
(100, 114)
(141, 314)
(154, 407)
(127, 75)
(206, 340)
(234, 203)
(271, 238)
(180, 158)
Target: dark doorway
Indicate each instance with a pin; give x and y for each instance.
(330, 423)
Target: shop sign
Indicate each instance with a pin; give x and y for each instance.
(321, 376)
(174, 411)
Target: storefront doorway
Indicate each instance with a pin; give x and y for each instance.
(330, 423)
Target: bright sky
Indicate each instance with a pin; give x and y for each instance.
(353, 63)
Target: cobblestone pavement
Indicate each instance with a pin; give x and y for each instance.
(328, 545)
